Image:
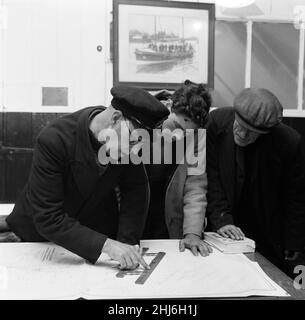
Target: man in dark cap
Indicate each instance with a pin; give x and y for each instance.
(70, 197)
(256, 176)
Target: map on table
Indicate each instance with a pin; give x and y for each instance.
(47, 271)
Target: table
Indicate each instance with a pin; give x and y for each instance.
(276, 275)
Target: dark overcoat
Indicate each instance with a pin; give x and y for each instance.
(70, 200)
(279, 175)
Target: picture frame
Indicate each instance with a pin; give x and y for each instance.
(159, 44)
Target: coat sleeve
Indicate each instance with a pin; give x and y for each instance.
(46, 196)
(195, 203)
(134, 198)
(219, 211)
(295, 210)
(195, 187)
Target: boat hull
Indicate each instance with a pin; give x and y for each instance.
(160, 57)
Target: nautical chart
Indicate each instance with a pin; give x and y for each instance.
(144, 274)
(47, 271)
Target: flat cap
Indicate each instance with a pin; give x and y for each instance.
(138, 105)
(258, 109)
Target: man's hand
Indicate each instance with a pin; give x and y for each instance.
(231, 231)
(195, 244)
(128, 256)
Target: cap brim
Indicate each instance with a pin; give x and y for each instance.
(245, 124)
(140, 124)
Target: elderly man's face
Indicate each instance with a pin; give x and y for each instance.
(242, 135)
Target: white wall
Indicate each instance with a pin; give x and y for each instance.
(53, 43)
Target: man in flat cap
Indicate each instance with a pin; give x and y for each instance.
(256, 175)
(70, 197)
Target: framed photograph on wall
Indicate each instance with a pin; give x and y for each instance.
(159, 44)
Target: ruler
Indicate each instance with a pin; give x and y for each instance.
(147, 272)
(143, 274)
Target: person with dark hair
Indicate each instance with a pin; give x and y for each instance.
(178, 192)
(192, 102)
(256, 174)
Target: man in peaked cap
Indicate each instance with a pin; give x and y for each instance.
(138, 105)
(70, 197)
(256, 175)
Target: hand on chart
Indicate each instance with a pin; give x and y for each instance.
(127, 255)
(194, 243)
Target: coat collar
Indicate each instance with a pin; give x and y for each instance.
(84, 167)
(83, 151)
(240, 171)
(227, 161)
(231, 163)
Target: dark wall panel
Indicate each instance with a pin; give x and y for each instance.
(17, 168)
(19, 132)
(298, 124)
(18, 129)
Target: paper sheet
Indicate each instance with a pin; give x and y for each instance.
(40, 271)
(46, 271)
